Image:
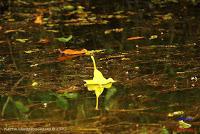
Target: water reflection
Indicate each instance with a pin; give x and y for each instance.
(157, 71)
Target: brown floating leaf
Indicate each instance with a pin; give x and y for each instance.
(43, 41)
(14, 30)
(135, 38)
(66, 57)
(117, 30)
(39, 20)
(73, 52)
(2, 41)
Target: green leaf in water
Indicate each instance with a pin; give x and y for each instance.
(21, 107)
(53, 31)
(62, 102)
(31, 51)
(68, 7)
(63, 39)
(22, 40)
(175, 113)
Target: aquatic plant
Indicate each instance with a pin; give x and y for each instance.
(98, 83)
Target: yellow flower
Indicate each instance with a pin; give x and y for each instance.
(98, 83)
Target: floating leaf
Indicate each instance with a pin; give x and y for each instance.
(91, 52)
(153, 37)
(98, 83)
(31, 51)
(43, 41)
(1, 41)
(13, 30)
(167, 16)
(22, 40)
(68, 7)
(11, 20)
(51, 24)
(34, 65)
(2, 59)
(70, 53)
(117, 30)
(73, 52)
(183, 124)
(175, 113)
(108, 31)
(21, 107)
(63, 39)
(53, 31)
(66, 57)
(34, 84)
(39, 20)
(135, 38)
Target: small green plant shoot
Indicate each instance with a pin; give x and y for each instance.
(98, 83)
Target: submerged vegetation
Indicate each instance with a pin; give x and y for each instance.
(149, 50)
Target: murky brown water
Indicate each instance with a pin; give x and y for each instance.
(152, 54)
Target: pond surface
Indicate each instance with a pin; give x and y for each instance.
(152, 53)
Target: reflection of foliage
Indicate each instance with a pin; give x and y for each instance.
(62, 99)
(109, 94)
(163, 2)
(4, 5)
(62, 102)
(16, 106)
(23, 107)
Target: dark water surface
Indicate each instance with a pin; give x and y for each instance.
(157, 70)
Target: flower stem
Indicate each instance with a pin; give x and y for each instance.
(97, 103)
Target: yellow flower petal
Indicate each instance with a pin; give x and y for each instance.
(98, 83)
